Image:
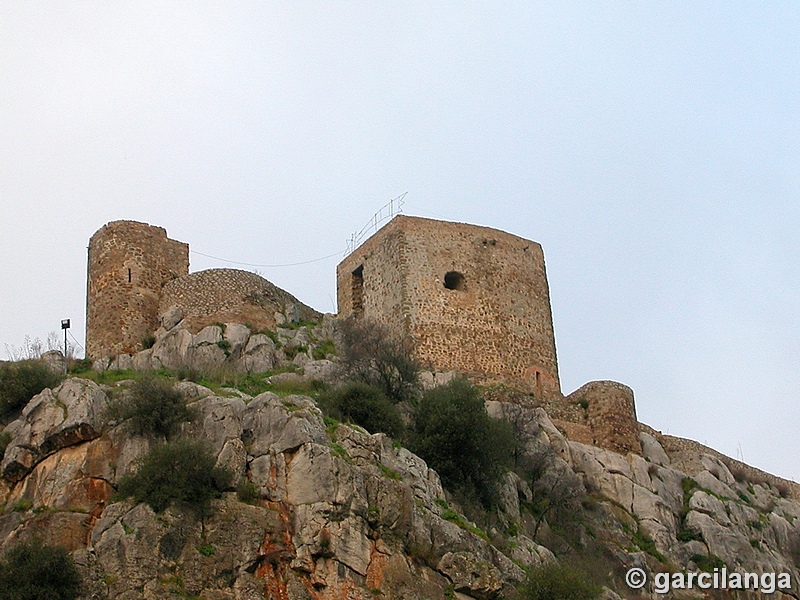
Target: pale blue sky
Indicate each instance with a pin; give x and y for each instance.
(652, 148)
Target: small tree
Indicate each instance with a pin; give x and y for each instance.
(180, 472)
(31, 571)
(21, 381)
(457, 437)
(364, 405)
(152, 407)
(372, 354)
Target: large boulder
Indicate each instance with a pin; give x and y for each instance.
(71, 413)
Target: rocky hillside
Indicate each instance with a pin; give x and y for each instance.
(318, 509)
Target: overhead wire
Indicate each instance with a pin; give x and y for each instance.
(246, 264)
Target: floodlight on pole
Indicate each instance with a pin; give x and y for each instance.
(65, 326)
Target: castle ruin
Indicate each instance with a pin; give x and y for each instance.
(476, 300)
(129, 262)
(470, 298)
(137, 275)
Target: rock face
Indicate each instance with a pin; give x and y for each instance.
(337, 512)
(230, 347)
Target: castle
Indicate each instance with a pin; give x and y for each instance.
(471, 299)
(137, 276)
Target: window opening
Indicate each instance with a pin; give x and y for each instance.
(453, 280)
(357, 289)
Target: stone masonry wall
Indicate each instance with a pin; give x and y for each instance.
(128, 264)
(231, 296)
(611, 415)
(471, 298)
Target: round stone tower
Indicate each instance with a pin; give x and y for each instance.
(129, 262)
(611, 412)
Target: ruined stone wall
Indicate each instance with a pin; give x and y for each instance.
(685, 455)
(231, 296)
(471, 298)
(372, 280)
(128, 264)
(611, 415)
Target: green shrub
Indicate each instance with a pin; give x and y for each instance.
(31, 571)
(80, 366)
(646, 544)
(325, 348)
(708, 563)
(153, 407)
(247, 491)
(364, 405)
(455, 435)
(559, 582)
(21, 381)
(180, 472)
(687, 535)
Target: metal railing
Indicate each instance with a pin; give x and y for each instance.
(386, 212)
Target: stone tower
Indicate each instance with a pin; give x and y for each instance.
(129, 262)
(471, 298)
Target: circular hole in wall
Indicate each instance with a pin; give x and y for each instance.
(453, 280)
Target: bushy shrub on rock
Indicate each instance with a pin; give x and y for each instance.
(180, 472)
(32, 571)
(152, 407)
(457, 437)
(364, 405)
(21, 381)
(559, 582)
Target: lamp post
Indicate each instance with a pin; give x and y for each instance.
(65, 326)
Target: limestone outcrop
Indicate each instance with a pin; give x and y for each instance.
(230, 347)
(338, 512)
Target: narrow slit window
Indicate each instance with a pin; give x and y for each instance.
(357, 284)
(129, 275)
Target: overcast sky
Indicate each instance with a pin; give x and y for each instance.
(652, 148)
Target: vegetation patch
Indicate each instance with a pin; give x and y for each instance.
(372, 355)
(324, 349)
(364, 405)
(32, 571)
(707, 563)
(454, 434)
(247, 492)
(687, 535)
(180, 472)
(207, 550)
(559, 582)
(389, 473)
(645, 543)
(152, 407)
(21, 381)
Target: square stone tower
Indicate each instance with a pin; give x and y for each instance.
(470, 298)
